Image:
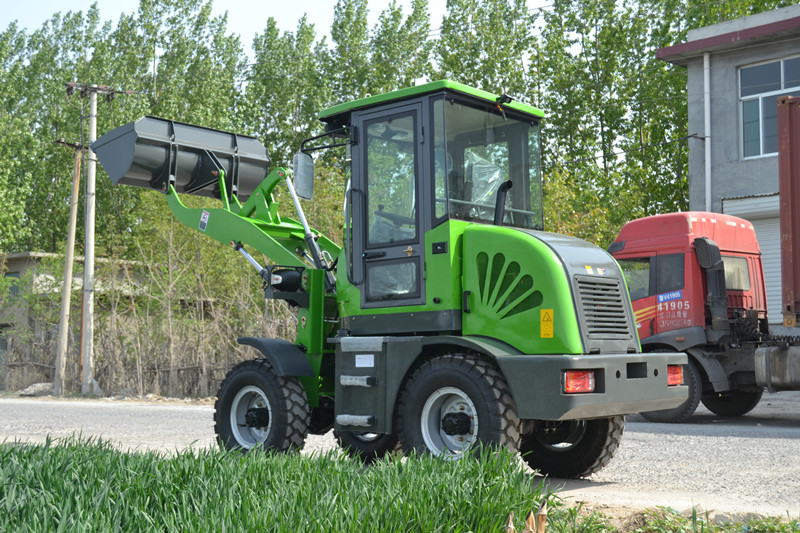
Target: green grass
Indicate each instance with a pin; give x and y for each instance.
(664, 519)
(87, 485)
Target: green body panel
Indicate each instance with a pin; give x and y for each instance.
(519, 292)
(418, 90)
(311, 330)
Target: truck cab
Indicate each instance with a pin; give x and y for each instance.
(696, 284)
(667, 285)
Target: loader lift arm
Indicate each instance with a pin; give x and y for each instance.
(177, 158)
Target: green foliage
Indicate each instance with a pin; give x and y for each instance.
(400, 49)
(488, 44)
(88, 486)
(664, 519)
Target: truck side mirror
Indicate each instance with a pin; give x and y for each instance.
(304, 175)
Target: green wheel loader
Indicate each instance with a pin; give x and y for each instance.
(448, 318)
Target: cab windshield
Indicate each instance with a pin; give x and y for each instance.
(475, 150)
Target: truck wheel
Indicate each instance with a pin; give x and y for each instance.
(732, 403)
(572, 448)
(454, 402)
(694, 381)
(256, 408)
(367, 447)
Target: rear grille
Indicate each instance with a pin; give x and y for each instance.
(604, 313)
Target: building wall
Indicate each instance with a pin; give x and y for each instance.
(731, 174)
(746, 187)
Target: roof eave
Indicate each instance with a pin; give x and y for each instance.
(680, 54)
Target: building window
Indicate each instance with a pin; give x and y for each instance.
(13, 289)
(759, 89)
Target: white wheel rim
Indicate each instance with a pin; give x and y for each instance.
(249, 397)
(442, 402)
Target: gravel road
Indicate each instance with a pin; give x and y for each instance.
(746, 465)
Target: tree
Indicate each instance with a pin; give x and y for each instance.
(488, 44)
(347, 65)
(400, 49)
(285, 89)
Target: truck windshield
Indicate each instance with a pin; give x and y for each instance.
(475, 150)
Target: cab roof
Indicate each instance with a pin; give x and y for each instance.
(730, 233)
(333, 113)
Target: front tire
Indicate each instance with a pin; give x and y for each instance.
(572, 448)
(732, 403)
(256, 408)
(453, 403)
(694, 381)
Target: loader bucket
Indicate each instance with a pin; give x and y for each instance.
(154, 153)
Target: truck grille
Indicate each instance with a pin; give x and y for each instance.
(604, 313)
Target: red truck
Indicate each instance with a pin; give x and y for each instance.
(697, 286)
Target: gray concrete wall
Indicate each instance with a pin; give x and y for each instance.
(731, 174)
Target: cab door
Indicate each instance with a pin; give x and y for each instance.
(387, 234)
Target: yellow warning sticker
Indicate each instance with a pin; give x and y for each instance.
(588, 270)
(546, 323)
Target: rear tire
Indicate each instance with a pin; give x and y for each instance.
(572, 448)
(732, 403)
(453, 403)
(256, 408)
(694, 381)
(367, 447)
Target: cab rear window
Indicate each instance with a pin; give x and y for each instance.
(737, 275)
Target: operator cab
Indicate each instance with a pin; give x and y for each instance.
(424, 162)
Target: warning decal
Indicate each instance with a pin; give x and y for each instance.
(204, 220)
(546, 323)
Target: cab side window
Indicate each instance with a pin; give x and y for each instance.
(669, 270)
(658, 274)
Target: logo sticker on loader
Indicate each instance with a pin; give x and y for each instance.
(546, 323)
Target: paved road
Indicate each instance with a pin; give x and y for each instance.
(750, 464)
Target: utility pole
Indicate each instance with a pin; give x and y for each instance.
(88, 383)
(66, 291)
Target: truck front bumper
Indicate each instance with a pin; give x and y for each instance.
(624, 384)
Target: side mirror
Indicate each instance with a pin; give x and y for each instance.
(304, 175)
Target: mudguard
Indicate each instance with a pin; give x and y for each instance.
(717, 375)
(286, 358)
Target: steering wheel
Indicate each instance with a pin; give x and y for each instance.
(397, 219)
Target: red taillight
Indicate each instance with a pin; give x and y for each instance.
(674, 375)
(576, 381)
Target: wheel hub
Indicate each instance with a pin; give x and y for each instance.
(251, 417)
(257, 417)
(449, 422)
(456, 424)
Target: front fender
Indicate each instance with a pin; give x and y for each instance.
(286, 358)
